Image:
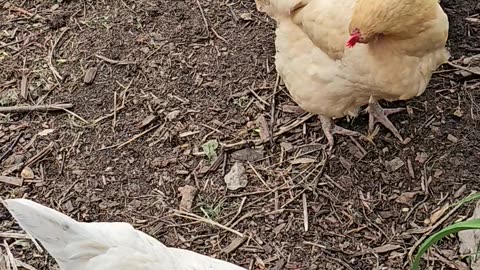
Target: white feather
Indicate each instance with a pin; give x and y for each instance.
(103, 246)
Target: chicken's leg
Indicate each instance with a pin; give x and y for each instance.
(378, 114)
(329, 128)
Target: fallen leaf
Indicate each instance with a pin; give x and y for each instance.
(149, 119)
(406, 198)
(188, 194)
(173, 115)
(394, 164)
(286, 146)
(347, 164)
(459, 112)
(438, 214)
(236, 178)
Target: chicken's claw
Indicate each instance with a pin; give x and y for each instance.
(329, 129)
(379, 115)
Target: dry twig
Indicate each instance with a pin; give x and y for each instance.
(211, 222)
(36, 108)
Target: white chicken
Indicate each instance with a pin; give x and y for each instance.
(327, 73)
(103, 246)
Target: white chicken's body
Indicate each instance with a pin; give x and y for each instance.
(326, 78)
(103, 246)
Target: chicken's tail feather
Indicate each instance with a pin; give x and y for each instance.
(53, 229)
(279, 8)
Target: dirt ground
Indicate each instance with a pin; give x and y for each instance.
(172, 75)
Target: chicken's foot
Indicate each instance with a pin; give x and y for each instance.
(377, 114)
(329, 129)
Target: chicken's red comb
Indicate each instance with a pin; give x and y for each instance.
(354, 38)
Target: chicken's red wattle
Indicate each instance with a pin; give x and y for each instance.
(354, 38)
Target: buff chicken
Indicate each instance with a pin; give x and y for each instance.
(103, 246)
(336, 56)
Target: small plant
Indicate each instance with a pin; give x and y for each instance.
(241, 102)
(210, 148)
(212, 212)
(8, 98)
(452, 229)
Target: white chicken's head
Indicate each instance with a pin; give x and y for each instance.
(400, 19)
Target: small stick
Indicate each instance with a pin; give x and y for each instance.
(238, 212)
(39, 155)
(132, 139)
(464, 68)
(272, 108)
(51, 56)
(305, 212)
(281, 131)
(203, 16)
(115, 62)
(77, 116)
(36, 108)
(15, 181)
(10, 255)
(10, 148)
(258, 97)
(23, 11)
(259, 176)
(14, 235)
(114, 123)
(211, 222)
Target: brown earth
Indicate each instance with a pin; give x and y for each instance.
(190, 79)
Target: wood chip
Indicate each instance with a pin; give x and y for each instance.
(452, 138)
(386, 248)
(248, 154)
(394, 164)
(15, 181)
(235, 244)
(411, 171)
(302, 161)
(24, 87)
(406, 198)
(188, 134)
(263, 126)
(379, 250)
(147, 121)
(90, 75)
(188, 194)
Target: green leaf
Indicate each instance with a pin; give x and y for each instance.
(455, 228)
(209, 149)
(473, 197)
